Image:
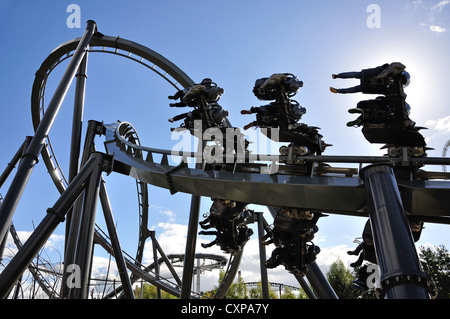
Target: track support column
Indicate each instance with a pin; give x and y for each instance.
(155, 261)
(401, 273)
(191, 240)
(262, 256)
(189, 256)
(85, 236)
(115, 243)
(77, 124)
(30, 158)
(55, 216)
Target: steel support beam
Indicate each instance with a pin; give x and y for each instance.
(191, 240)
(319, 282)
(262, 256)
(115, 243)
(30, 158)
(77, 120)
(306, 288)
(77, 124)
(42, 233)
(73, 225)
(155, 261)
(85, 237)
(167, 261)
(394, 244)
(11, 165)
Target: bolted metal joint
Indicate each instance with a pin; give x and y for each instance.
(91, 25)
(419, 279)
(107, 163)
(168, 175)
(32, 156)
(58, 214)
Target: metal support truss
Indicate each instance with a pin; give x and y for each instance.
(73, 222)
(87, 179)
(30, 158)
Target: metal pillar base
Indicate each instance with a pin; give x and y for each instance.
(397, 257)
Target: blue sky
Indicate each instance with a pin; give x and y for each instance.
(234, 43)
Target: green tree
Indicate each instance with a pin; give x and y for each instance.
(256, 292)
(436, 263)
(236, 290)
(239, 290)
(341, 279)
(288, 293)
(149, 291)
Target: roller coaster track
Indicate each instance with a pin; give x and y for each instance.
(99, 44)
(311, 183)
(344, 194)
(140, 271)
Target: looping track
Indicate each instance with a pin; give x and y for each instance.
(162, 67)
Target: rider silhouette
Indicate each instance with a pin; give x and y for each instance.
(373, 80)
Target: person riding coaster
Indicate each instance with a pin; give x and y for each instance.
(230, 219)
(203, 97)
(292, 233)
(384, 119)
(207, 115)
(284, 113)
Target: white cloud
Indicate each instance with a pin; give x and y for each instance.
(440, 5)
(442, 124)
(429, 246)
(53, 247)
(432, 15)
(436, 28)
(169, 214)
(100, 266)
(172, 238)
(417, 4)
(329, 255)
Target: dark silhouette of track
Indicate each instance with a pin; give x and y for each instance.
(311, 182)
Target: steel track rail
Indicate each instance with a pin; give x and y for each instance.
(344, 195)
